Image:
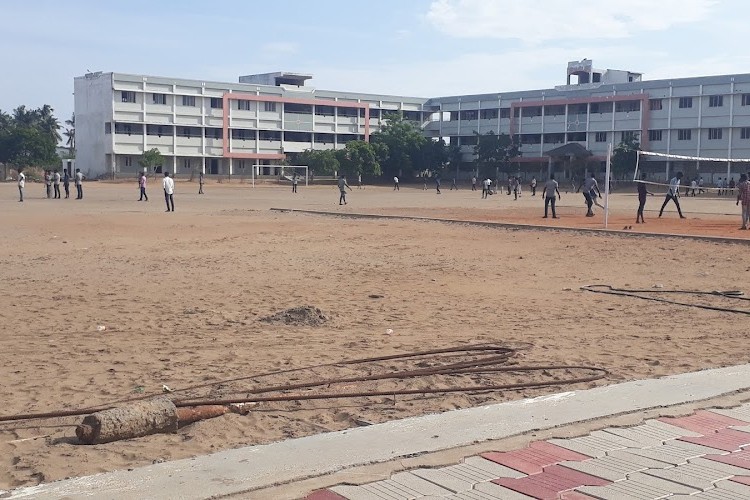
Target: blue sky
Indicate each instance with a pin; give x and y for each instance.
(407, 47)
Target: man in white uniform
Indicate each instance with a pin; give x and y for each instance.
(673, 193)
(168, 184)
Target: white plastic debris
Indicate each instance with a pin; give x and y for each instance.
(100, 328)
(389, 331)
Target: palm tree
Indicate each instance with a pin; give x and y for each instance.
(48, 123)
(70, 134)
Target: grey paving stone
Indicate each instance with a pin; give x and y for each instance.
(394, 490)
(494, 491)
(419, 484)
(445, 480)
(743, 428)
(724, 490)
(675, 452)
(740, 413)
(638, 486)
(470, 473)
(596, 444)
(651, 433)
(616, 465)
(718, 466)
(493, 468)
(691, 474)
(356, 493)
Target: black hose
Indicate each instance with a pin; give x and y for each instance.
(624, 292)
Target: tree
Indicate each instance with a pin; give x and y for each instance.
(28, 137)
(494, 152)
(433, 156)
(454, 157)
(70, 135)
(624, 157)
(358, 158)
(320, 161)
(404, 141)
(150, 159)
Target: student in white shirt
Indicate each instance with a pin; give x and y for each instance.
(21, 182)
(550, 189)
(673, 193)
(168, 184)
(395, 183)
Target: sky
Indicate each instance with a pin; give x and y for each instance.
(423, 48)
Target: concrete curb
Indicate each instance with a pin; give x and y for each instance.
(255, 467)
(527, 227)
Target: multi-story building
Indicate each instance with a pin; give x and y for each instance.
(225, 128)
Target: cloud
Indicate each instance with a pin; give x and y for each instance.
(543, 20)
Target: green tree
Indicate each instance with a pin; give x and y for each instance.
(70, 135)
(150, 159)
(454, 157)
(404, 141)
(320, 161)
(433, 156)
(27, 147)
(358, 158)
(494, 152)
(624, 157)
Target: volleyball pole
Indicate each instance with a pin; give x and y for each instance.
(606, 185)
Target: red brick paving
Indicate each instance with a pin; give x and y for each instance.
(723, 439)
(703, 422)
(550, 483)
(738, 459)
(534, 458)
(324, 495)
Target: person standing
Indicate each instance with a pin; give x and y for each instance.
(21, 182)
(168, 184)
(673, 193)
(359, 181)
(550, 188)
(516, 188)
(294, 183)
(693, 186)
(533, 186)
(453, 185)
(732, 185)
(56, 183)
(590, 191)
(700, 186)
(395, 183)
(142, 186)
(474, 183)
(642, 192)
(48, 182)
(79, 184)
(510, 184)
(201, 180)
(485, 188)
(743, 196)
(437, 184)
(66, 182)
(343, 186)
(720, 185)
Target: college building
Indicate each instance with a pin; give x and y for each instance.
(227, 128)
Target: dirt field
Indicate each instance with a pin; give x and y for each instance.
(181, 296)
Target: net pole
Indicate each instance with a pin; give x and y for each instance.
(606, 185)
(637, 164)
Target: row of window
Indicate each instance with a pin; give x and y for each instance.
(271, 107)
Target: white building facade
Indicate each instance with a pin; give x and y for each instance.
(224, 128)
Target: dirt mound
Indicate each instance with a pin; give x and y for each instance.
(298, 316)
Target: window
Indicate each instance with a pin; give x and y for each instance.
(324, 138)
(324, 111)
(654, 104)
(469, 115)
(577, 109)
(530, 139)
(217, 103)
(188, 132)
(302, 109)
(686, 102)
(108, 128)
(715, 101)
(504, 112)
(654, 135)
(746, 99)
(489, 114)
(128, 128)
(243, 104)
(243, 134)
(630, 135)
(627, 106)
(413, 116)
(127, 96)
(159, 98)
(188, 100)
(468, 140)
(298, 136)
(601, 107)
(186, 163)
(214, 133)
(554, 138)
(344, 138)
(684, 134)
(577, 137)
(745, 133)
(714, 134)
(532, 111)
(159, 130)
(269, 135)
(270, 107)
(554, 110)
(128, 161)
(600, 137)
(350, 112)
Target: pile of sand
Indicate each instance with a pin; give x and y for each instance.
(298, 316)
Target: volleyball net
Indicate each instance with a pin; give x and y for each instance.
(695, 183)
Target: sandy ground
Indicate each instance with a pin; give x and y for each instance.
(181, 295)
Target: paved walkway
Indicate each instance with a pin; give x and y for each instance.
(702, 456)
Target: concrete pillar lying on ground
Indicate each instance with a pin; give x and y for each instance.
(136, 420)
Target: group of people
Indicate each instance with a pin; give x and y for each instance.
(52, 180)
